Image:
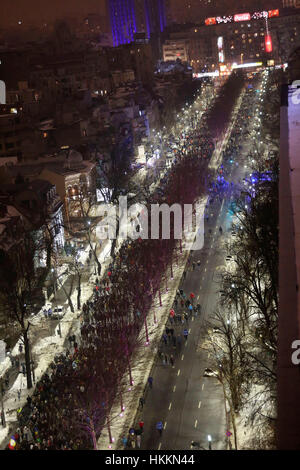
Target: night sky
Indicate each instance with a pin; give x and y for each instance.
(35, 11)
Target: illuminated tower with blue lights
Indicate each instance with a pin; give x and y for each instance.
(155, 13)
(123, 21)
(128, 17)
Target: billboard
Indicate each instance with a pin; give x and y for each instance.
(257, 15)
(268, 43)
(242, 17)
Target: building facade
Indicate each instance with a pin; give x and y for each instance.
(128, 17)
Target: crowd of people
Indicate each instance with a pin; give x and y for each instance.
(56, 416)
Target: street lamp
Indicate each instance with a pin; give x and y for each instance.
(209, 441)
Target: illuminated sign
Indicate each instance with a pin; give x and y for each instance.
(220, 49)
(210, 21)
(242, 17)
(207, 74)
(257, 15)
(224, 19)
(243, 66)
(268, 43)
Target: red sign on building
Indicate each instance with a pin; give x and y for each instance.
(268, 43)
(273, 13)
(210, 21)
(242, 17)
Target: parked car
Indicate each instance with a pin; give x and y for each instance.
(210, 373)
(58, 312)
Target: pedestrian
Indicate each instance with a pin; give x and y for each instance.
(142, 402)
(159, 427)
(124, 440)
(194, 265)
(165, 339)
(141, 425)
(186, 318)
(175, 303)
(185, 334)
(184, 275)
(172, 360)
(138, 441)
(20, 348)
(150, 382)
(166, 358)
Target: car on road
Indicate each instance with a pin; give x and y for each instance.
(217, 329)
(58, 312)
(210, 373)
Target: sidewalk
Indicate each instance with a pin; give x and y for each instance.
(43, 351)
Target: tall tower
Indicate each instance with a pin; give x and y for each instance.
(122, 20)
(128, 17)
(155, 13)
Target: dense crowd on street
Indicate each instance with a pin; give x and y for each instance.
(57, 415)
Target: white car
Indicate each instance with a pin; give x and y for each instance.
(210, 373)
(58, 312)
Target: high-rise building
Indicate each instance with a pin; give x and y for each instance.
(128, 17)
(123, 20)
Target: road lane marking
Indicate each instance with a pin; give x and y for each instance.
(182, 357)
(174, 388)
(196, 422)
(202, 386)
(178, 373)
(189, 330)
(199, 404)
(159, 446)
(192, 318)
(186, 344)
(170, 406)
(165, 425)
